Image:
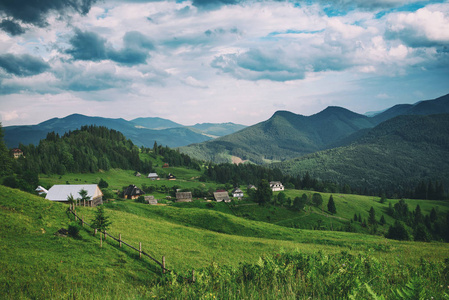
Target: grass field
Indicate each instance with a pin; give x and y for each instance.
(37, 264)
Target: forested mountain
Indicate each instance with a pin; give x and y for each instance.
(437, 106)
(394, 156)
(142, 131)
(284, 135)
(86, 150)
(287, 135)
(218, 129)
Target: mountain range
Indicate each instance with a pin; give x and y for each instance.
(142, 131)
(287, 135)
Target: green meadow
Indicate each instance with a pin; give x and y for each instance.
(233, 257)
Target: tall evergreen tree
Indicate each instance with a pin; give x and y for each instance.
(101, 221)
(263, 192)
(317, 199)
(372, 216)
(331, 205)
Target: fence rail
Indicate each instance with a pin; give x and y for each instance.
(120, 241)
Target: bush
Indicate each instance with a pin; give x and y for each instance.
(74, 230)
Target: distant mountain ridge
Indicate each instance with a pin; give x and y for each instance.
(395, 155)
(164, 132)
(287, 135)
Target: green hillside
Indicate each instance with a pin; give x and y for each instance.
(394, 156)
(284, 135)
(36, 263)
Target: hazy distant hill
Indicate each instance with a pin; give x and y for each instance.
(218, 129)
(171, 136)
(287, 135)
(394, 155)
(284, 135)
(156, 123)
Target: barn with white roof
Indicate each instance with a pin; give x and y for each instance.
(61, 192)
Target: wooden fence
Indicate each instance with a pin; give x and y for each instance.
(120, 241)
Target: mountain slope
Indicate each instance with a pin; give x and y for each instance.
(394, 155)
(429, 107)
(155, 123)
(284, 135)
(287, 135)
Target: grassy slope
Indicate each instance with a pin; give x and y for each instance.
(35, 263)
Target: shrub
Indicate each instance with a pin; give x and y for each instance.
(74, 230)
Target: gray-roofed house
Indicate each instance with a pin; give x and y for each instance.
(184, 197)
(237, 193)
(153, 176)
(222, 196)
(60, 193)
(41, 190)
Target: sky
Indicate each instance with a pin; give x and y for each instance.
(217, 61)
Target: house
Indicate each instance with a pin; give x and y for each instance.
(153, 176)
(276, 186)
(165, 165)
(132, 192)
(184, 197)
(171, 177)
(41, 190)
(60, 193)
(221, 195)
(251, 187)
(16, 152)
(150, 199)
(237, 193)
(138, 174)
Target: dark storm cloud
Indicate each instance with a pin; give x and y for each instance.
(87, 46)
(11, 27)
(91, 46)
(35, 12)
(22, 65)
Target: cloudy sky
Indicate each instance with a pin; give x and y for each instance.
(217, 60)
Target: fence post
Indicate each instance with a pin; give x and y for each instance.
(193, 276)
(140, 249)
(95, 232)
(101, 241)
(120, 239)
(82, 220)
(163, 264)
(105, 235)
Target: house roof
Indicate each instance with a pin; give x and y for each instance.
(183, 195)
(237, 191)
(133, 190)
(60, 192)
(153, 175)
(221, 196)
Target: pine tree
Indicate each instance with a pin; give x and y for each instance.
(101, 221)
(372, 216)
(5, 158)
(331, 205)
(382, 220)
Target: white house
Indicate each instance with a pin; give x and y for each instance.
(61, 192)
(237, 193)
(276, 186)
(153, 176)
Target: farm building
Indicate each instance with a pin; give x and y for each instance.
(153, 176)
(16, 152)
(150, 200)
(61, 192)
(41, 190)
(221, 196)
(171, 177)
(251, 187)
(132, 192)
(184, 197)
(237, 193)
(276, 186)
